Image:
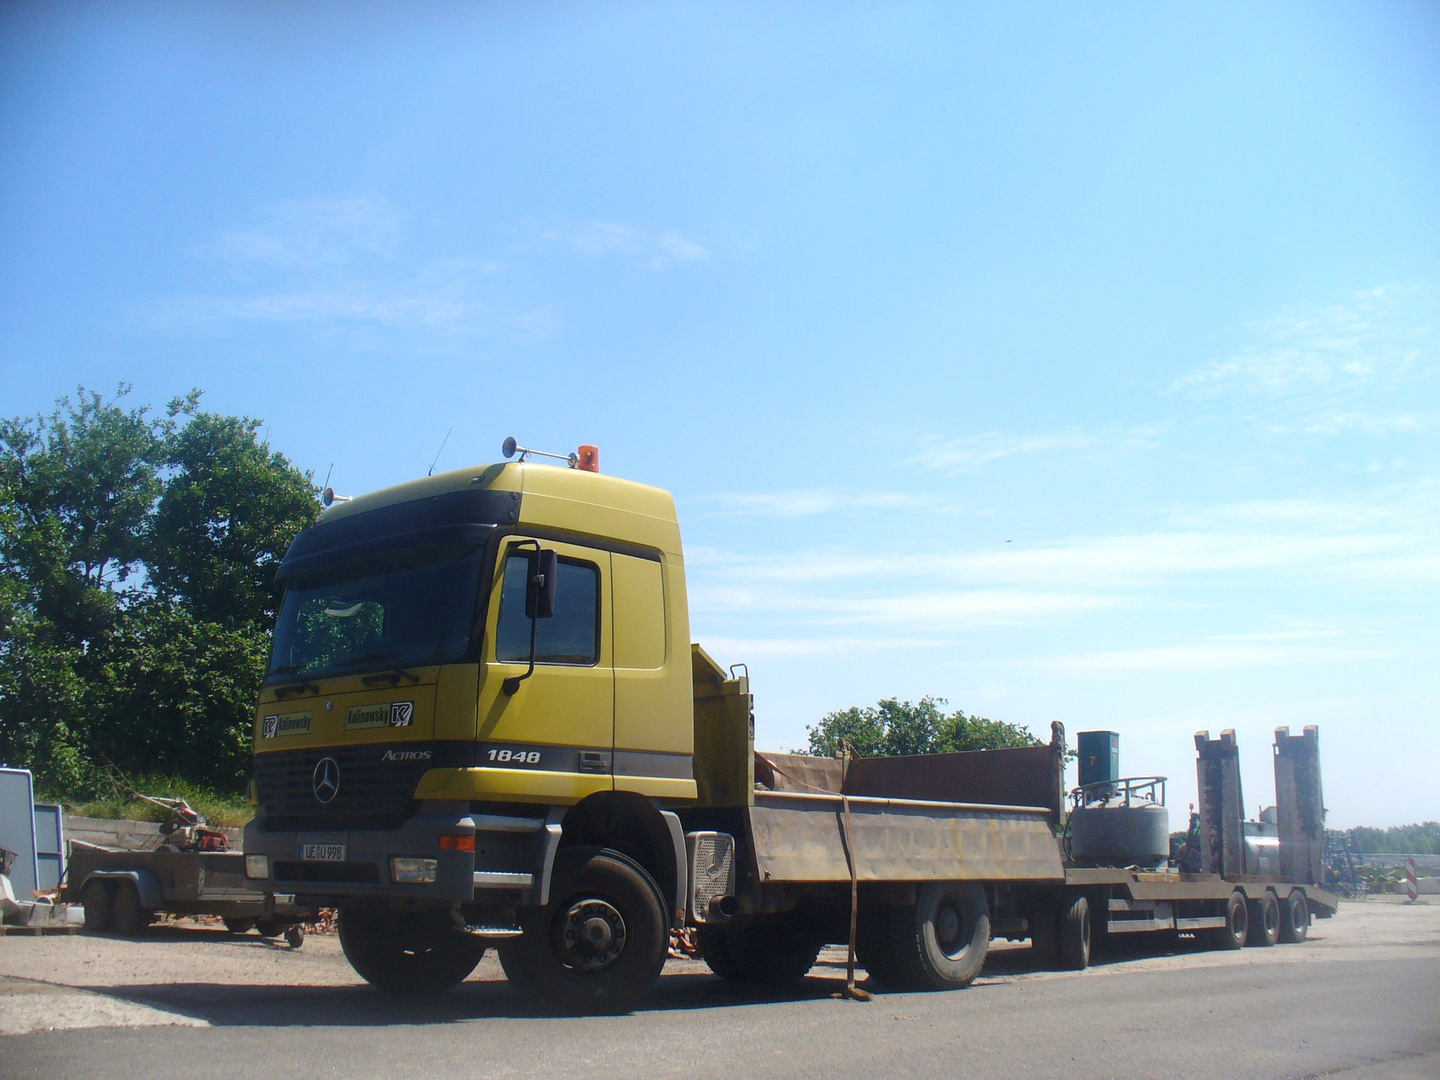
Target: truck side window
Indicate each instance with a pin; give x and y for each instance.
(570, 636)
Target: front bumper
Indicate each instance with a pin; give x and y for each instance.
(508, 865)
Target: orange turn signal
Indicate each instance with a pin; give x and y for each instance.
(457, 843)
(588, 458)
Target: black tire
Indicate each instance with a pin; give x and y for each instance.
(413, 954)
(130, 915)
(939, 943)
(1295, 918)
(295, 937)
(1045, 937)
(1264, 916)
(600, 943)
(768, 950)
(98, 899)
(239, 926)
(1075, 939)
(275, 927)
(1237, 925)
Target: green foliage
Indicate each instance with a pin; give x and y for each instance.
(137, 558)
(1421, 839)
(892, 727)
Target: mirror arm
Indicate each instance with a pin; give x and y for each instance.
(512, 682)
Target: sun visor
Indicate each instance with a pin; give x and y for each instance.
(452, 517)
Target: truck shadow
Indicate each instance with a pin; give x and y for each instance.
(242, 1005)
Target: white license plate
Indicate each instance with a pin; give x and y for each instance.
(322, 852)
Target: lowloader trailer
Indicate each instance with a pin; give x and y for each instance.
(484, 724)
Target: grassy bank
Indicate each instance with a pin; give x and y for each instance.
(219, 808)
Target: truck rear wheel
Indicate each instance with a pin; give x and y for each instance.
(1075, 934)
(939, 943)
(1264, 916)
(130, 916)
(1237, 925)
(408, 954)
(98, 898)
(600, 943)
(769, 950)
(1294, 918)
(239, 926)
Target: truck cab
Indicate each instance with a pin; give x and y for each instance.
(472, 672)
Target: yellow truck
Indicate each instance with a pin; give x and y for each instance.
(485, 724)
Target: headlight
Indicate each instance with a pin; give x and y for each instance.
(412, 871)
(257, 866)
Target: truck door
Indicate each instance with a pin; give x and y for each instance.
(555, 735)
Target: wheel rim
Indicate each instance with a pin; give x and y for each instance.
(951, 934)
(1299, 915)
(590, 935)
(1272, 918)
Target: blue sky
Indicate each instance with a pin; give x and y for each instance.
(1066, 362)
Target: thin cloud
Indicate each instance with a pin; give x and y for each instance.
(340, 263)
(1336, 369)
(803, 503)
(649, 249)
(972, 453)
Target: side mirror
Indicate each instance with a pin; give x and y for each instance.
(540, 588)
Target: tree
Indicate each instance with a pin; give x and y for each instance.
(137, 592)
(892, 727)
(229, 509)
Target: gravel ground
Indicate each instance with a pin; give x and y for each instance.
(190, 974)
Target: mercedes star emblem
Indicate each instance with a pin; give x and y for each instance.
(326, 779)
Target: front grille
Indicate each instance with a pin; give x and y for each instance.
(350, 873)
(373, 793)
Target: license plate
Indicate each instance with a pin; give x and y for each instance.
(322, 852)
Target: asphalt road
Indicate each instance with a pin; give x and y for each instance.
(1361, 1000)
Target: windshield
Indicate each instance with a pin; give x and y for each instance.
(409, 608)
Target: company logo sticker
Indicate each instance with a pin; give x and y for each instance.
(401, 713)
(367, 716)
(289, 723)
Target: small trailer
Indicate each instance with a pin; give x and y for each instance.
(191, 873)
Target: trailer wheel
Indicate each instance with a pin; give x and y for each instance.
(130, 915)
(1295, 918)
(769, 950)
(272, 928)
(600, 943)
(1237, 925)
(405, 953)
(1264, 917)
(295, 937)
(239, 926)
(1075, 935)
(940, 942)
(98, 899)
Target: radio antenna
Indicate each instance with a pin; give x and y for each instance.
(328, 472)
(439, 452)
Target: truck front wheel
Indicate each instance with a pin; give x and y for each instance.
(408, 954)
(600, 943)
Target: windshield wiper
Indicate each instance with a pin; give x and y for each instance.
(393, 673)
(302, 684)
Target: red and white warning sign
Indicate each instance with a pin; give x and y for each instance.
(1412, 888)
